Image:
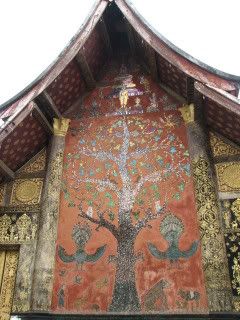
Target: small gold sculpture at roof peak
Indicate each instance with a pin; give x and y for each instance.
(187, 112)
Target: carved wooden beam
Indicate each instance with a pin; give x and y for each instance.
(85, 70)
(131, 39)
(40, 117)
(6, 171)
(152, 62)
(106, 37)
(190, 90)
(47, 103)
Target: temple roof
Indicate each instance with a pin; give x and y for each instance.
(110, 29)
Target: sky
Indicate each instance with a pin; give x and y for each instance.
(33, 33)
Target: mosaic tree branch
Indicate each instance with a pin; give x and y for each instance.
(99, 155)
(101, 183)
(101, 222)
(149, 216)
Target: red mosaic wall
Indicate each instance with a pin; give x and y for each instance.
(128, 238)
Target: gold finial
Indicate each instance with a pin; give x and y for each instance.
(60, 126)
(187, 112)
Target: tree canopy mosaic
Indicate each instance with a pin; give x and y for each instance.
(128, 234)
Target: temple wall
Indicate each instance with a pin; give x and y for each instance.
(136, 211)
(19, 215)
(128, 234)
(226, 159)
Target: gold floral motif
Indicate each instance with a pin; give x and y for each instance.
(26, 191)
(235, 207)
(5, 223)
(228, 175)
(221, 148)
(2, 192)
(214, 261)
(187, 112)
(16, 231)
(236, 305)
(60, 126)
(21, 208)
(9, 275)
(36, 165)
(236, 275)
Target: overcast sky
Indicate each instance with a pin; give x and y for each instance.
(33, 33)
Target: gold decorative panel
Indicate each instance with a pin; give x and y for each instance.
(2, 193)
(231, 218)
(221, 148)
(214, 261)
(7, 284)
(26, 191)
(36, 165)
(17, 229)
(228, 175)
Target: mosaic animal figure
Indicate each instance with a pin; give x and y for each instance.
(81, 235)
(155, 294)
(188, 296)
(171, 228)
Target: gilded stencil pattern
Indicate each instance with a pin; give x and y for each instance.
(221, 148)
(26, 191)
(17, 229)
(8, 284)
(228, 175)
(231, 217)
(216, 271)
(2, 192)
(37, 165)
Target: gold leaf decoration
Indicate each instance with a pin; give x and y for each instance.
(15, 230)
(228, 175)
(214, 258)
(26, 191)
(222, 148)
(36, 165)
(60, 126)
(2, 193)
(8, 281)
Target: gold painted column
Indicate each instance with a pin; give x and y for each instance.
(47, 231)
(215, 267)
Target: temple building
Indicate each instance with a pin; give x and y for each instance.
(120, 181)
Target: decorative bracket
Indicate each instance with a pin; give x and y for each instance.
(60, 126)
(187, 112)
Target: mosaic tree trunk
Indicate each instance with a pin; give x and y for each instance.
(125, 228)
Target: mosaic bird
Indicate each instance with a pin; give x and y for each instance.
(81, 234)
(80, 256)
(171, 228)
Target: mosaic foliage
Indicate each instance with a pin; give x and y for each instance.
(128, 232)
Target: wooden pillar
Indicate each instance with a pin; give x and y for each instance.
(47, 231)
(214, 258)
(25, 272)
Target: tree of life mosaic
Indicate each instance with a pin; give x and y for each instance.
(128, 234)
